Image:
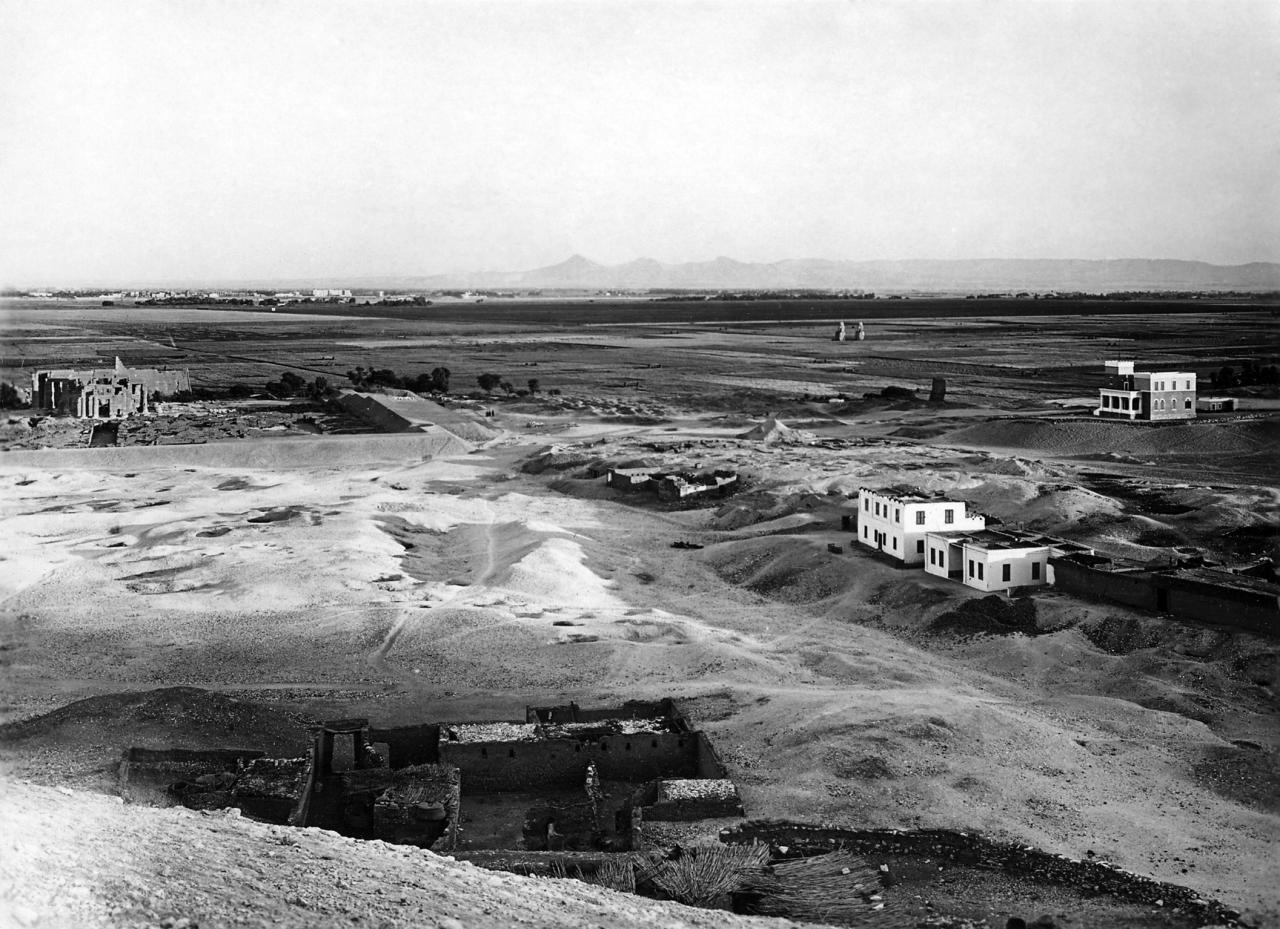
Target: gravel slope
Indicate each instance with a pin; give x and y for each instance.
(78, 859)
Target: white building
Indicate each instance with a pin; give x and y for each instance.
(1146, 395)
(896, 520)
(994, 560)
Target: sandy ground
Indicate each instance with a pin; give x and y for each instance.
(137, 867)
(461, 587)
(361, 576)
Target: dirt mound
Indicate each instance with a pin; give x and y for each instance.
(1094, 437)
(175, 717)
(77, 859)
(1120, 635)
(267, 454)
(991, 615)
(780, 569)
(761, 507)
(1247, 774)
(774, 431)
(560, 459)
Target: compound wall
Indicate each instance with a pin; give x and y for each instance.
(562, 763)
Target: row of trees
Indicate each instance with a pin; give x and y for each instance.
(293, 385)
(1251, 373)
(364, 378)
(435, 382)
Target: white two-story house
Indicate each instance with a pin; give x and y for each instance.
(895, 520)
(995, 560)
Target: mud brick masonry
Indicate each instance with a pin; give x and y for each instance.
(104, 393)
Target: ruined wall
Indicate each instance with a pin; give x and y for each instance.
(1185, 597)
(1131, 589)
(1220, 606)
(146, 773)
(562, 763)
(709, 764)
(409, 745)
(632, 709)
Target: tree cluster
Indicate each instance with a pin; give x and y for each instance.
(436, 381)
(490, 382)
(1251, 373)
(293, 385)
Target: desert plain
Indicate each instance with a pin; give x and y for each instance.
(309, 575)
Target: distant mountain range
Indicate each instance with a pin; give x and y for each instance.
(974, 275)
(981, 275)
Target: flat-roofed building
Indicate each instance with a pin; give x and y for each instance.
(995, 560)
(1146, 395)
(895, 520)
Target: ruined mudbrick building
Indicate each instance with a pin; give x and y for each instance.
(104, 393)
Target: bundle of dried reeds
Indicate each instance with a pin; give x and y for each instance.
(704, 876)
(835, 887)
(617, 872)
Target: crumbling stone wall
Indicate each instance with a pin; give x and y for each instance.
(146, 773)
(559, 763)
(409, 745)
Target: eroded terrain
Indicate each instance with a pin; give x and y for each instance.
(369, 582)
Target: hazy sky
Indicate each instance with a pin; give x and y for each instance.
(177, 140)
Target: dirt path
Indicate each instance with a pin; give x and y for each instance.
(488, 569)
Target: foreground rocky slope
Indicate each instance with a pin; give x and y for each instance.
(77, 859)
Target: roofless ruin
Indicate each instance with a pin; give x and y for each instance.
(564, 778)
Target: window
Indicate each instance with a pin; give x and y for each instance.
(949, 516)
(1035, 570)
(895, 543)
(866, 532)
(933, 556)
(920, 547)
(897, 514)
(1005, 573)
(877, 509)
(979, 570)
(920, 517)
(971, 567)
(866, 504)
(1186, 404)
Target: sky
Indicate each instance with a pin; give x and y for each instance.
(272, 139)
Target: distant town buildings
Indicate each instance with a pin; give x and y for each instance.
(103, 393)
(329, 294)
(896, 521)
(1146, 395)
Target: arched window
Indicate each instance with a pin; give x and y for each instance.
(1187, 404)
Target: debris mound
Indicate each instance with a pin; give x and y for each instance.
(774, 431)
(180, 717)
(1121, 635)
(991, 615)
